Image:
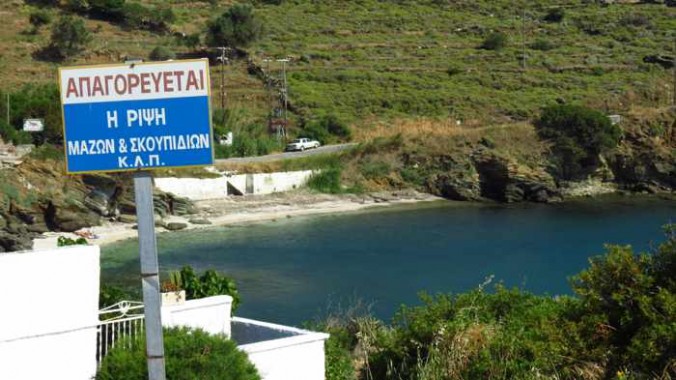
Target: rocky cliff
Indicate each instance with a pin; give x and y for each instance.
(37, 197)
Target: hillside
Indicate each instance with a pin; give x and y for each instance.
(443, 95)
(373, 60)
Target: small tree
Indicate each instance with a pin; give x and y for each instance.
(39, 18)
(78, 6)
(111, 10)
(161, 53)
(555, 15)
(238, 26)
(495, 41)
(69, 36)
(579, 135)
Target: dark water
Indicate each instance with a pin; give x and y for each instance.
(291, 271)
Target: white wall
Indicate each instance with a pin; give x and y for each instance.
(49, 313)
(197, 189)
(268, 183)
(211, 314)
(295, 357)
(215, 188)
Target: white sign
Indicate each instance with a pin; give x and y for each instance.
(33, 125)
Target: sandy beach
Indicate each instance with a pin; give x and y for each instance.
(248, 209)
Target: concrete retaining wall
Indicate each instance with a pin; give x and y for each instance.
(215, 188)
(286, 353)
(210, 314)
(49, 313)
(197, 189)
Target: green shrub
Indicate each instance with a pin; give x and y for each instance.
(191, 41)
(210, 283)
(38, 101)
(189, 354)
(579, 135)
(48, 3)
(161, 53)
(375, 169)
(629, 307)
(555, 15)
(110, 295)
(13, 135)
(244, 146)
(326, 181)
(47, 152)
(237, 27)
(69, 37)
(495, 41)
(542, 44)
(338, 360)
(111, 10)
(453, 70)
(39, 18)
(63, 241)
(327, 129)
(78, 6)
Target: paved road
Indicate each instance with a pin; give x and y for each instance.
(287, 155)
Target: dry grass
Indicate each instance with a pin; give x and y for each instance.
(516, 140)
(412, 128)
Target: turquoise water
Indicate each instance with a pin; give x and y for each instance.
(294, 270)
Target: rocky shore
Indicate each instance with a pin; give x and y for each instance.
(240, 210)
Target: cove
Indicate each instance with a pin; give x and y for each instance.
(295, 270)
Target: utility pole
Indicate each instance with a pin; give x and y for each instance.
(285, 96)
(225, 51)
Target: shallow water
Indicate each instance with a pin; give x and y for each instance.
(293, 270)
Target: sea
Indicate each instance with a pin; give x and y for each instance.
(296, 270)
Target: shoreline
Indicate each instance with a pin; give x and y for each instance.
(268, 208)
(246, 210)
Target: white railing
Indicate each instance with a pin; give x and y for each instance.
(124, 319)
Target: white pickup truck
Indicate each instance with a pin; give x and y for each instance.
(302, 144)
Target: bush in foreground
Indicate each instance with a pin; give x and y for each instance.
(190, 354)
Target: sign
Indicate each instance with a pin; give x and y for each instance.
(127, 117)
(33, 125)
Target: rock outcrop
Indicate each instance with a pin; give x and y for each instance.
(646, 159)
(36, 197)
(485, 175)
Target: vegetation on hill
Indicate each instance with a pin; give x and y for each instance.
(619, 325)
(443, 96)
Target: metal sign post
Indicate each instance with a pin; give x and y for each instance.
(150, 278)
